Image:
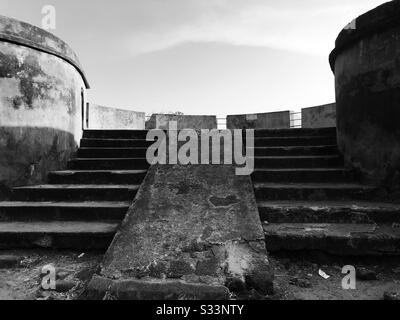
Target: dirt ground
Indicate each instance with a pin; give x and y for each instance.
(296, 276)
(24, 282)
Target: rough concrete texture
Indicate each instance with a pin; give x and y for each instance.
(40, 108)
(193, 232)
(366, 212)
(342, 239)
(271, 120)
(23, 282)
(367, 77)
(27, 35)
(299, 279)
(161, 121)
(112, 118)
(319, 117)
(28, 153)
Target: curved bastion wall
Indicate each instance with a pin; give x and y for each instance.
(42, 93)
(366, 64)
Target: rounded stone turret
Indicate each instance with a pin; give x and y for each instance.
(366, 64)
(42, 96)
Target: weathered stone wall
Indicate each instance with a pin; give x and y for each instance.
(161, 121)
(367, 78)
(40, 104)
(319, 117)
(271, 120)
(100, 117)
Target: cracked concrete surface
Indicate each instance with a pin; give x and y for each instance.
(189, 225)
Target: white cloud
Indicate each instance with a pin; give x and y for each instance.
(310, 27)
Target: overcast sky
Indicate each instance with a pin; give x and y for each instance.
(201, 56)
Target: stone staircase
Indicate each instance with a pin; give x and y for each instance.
(308, 200)
(82, 207)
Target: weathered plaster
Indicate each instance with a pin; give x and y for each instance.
(27, 35)
(40, 108)
(113, 118)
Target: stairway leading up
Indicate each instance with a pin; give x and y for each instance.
(81, 207)
(308, 200)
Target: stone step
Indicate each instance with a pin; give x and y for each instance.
(97, 177)
(77, 235)
(114, 143)
(295, 132)
(63, 211)
(329, 212)
(313, 191)
(303, 175)
(139, 152)
(299, 162)
(115, 134)
(339, 239)
(108, 164)
(65, 192)
(297, 151)
(294, 141)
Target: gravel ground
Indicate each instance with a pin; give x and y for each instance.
(296, 276)
(74, 270)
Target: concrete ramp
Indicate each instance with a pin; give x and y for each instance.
(193, 232)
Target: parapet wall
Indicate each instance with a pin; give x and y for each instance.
(271, 120)
(42, 92)
(161, 121)
(319, 117)
(100, 117)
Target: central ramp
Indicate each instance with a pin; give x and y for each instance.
(193, 232)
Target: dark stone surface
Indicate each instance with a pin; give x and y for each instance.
(391, 296)
(270, 120)
(300, 282)
(174, 234)
(9, 261)
(64, 285)
(319, 116)
(338, 239)
(375, 21)
(365, 274)
(367, 79)
(28, 154)
(329, 212)
(67, 214)
(161, 121)
(105, 288)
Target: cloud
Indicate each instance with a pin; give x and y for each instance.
(138, 27)
(308, 27)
